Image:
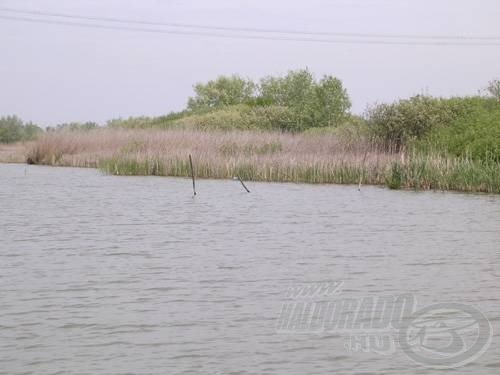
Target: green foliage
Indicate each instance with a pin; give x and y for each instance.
(231, 117)
(13, 129)
(31, 131)
(332, 104)
(420, 172)
(396, 125)
(222, 91)
(476, 135)
(431, 171)
(275, 117)
(351, 131)
(395, 177)
(240, 116)
(296, 89)
(313, 104)
(130, 167)
(291, 103)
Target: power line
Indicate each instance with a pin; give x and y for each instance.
(252, 30)
(251, 37)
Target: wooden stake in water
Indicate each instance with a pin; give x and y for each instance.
(192, 173)
(243, 184)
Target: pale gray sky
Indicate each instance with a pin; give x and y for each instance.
(51, 73)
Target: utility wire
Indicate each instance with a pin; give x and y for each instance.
(251, 37)
(248, 29)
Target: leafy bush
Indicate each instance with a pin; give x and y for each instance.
(396, 125)
(275, 117)
(395, 177)
(232, 117)
(222, 91)
(476, 135)
(353, 128)
(240, 117)
(13, 129)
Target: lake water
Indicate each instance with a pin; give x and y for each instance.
(113, 275)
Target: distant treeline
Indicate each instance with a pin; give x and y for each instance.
(13, 129)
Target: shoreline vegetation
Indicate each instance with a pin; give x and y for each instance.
(288, 129)
(256, 156)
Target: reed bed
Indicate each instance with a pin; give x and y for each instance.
(13, 152)
(259, 156)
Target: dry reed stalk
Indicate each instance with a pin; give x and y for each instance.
(252, 155)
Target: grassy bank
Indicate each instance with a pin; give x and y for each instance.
(260, 156)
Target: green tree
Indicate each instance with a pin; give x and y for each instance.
(296, 89)
(314, 104)
(222, 91)
(11, 129)
(332, 102)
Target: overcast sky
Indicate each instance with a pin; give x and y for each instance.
(51, 74)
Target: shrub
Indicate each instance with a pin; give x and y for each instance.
(396, 125)
(395, 178)
(233, 117)
(275, 117)
(241, 117)
(476, 136)
(350, 131)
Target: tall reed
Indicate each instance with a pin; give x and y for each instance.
(260, 156)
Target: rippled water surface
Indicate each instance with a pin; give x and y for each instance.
(113, 275)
